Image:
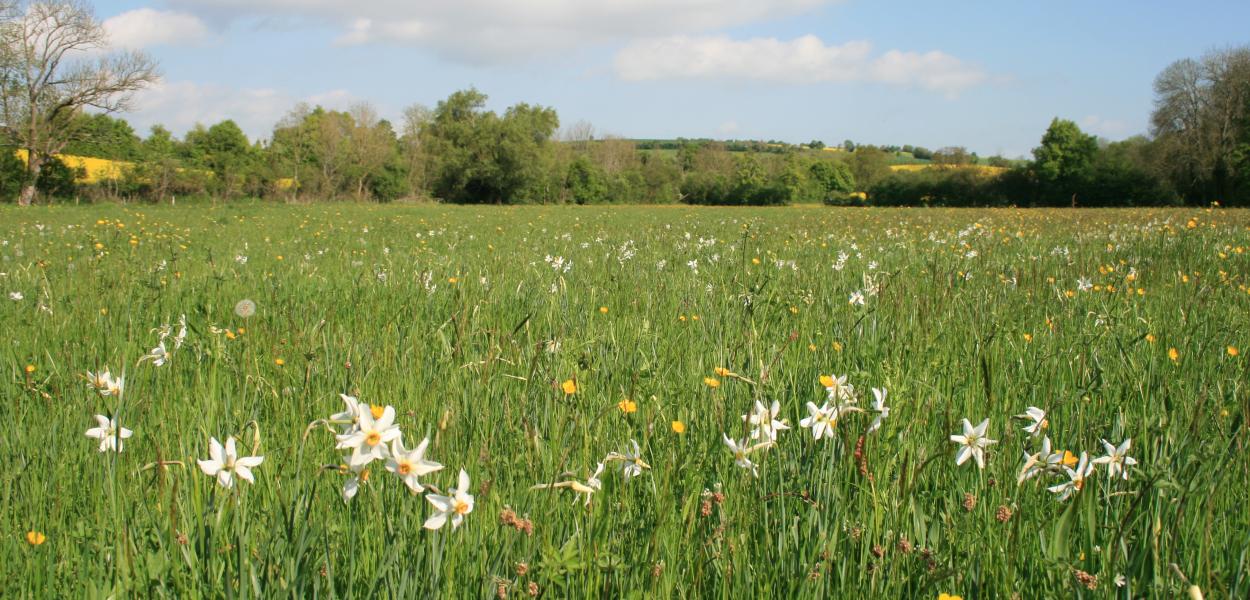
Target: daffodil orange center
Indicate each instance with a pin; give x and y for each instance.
(405, 468)
(373, 438)
(461, 508)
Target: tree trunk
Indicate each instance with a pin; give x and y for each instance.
(34, 164)
(27, 196)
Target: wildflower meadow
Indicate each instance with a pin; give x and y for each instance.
(256, 400)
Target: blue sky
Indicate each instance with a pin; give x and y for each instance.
(985, 75)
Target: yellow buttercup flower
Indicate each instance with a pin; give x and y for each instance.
(826, 381)
(711, 382)
(569, 386)
(1232, 351)
(603, 310)
(1070, 459)
(279, 362)
(35, 538)
(1174, 355)
(678, 427)
(627, 406)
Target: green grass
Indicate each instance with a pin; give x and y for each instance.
(361, 300)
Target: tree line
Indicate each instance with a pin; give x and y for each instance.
(1197, 153)
(60, 90)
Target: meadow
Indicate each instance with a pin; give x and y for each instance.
(532, 347)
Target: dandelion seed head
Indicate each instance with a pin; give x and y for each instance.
(245, 308)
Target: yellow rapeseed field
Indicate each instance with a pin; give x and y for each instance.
(985, 169)
(92, 170)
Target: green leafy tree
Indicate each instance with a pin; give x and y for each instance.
(586, 183)
(158, 170)
(102, 136)
(480, 157)
(1064, 160)
(869, 165)
(831, 178)
(58, 180)
(223, 149)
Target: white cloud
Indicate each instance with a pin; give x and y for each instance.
(487, 31)
(146, 27)
(1109, 128)
(931, 70)
(806, 59)
(181, 105)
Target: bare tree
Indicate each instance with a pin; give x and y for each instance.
(372, 145)
(1199, 107)
(416, 118)
(331, 136)
(290, 146)
(580, 134)
(55, 65)
(615, 154)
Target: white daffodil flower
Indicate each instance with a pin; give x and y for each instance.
(879, 407)
(454, 506)
(368, 442)
(356, 477)
(225, 463)
(1039, 462)
(182, 332)
(1076, 478)
(349, 417)
(110, 435)
(765, 421)
(838, 389)
(158, 355)
(821, 419)
(631, 461)
(1037, 418)
(741, 450)
(1117, 459)
(591, 485)
(106, 384)
(856, 299)
(411, 464)
(973, 443)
